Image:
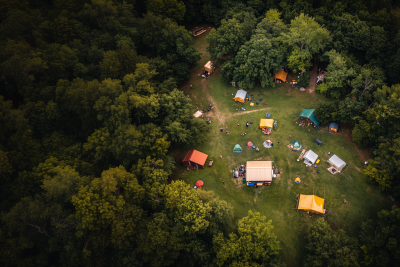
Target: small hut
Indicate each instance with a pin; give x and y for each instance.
(333, 127)
(209, 67)
(240, 96)
(337, 163)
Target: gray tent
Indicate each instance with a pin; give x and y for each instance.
(240, 96)
(311, 156)
(337, 162)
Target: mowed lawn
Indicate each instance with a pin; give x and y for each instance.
(278, 201)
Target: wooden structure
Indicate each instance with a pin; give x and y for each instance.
(301, 155)
(199, 31)
(209, 67)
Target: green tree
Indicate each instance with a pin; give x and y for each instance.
(254, 244)
(167, 8)
(307, 38)
(327, 112)
(116, 64)
(380, 238)
(226, 40)
(330, 248)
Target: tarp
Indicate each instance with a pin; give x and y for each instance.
(209, 67)
(309, 113)
(281, 75)
(196, 157)
(237, 149)
(266, 123)
(311, 203)
(259, 171)
(197, 114)
(240, 95)
(337, 162)
(311, 156)
(333, 127)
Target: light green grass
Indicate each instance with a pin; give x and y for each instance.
(277, 202)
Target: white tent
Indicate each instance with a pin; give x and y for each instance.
(259, 171)
(197, 114)
(240, 95)
(337, 162)
(311, 156)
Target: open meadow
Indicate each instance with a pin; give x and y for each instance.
(278, 201)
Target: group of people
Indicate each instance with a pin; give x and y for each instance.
(222, 130)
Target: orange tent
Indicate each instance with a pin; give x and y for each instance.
(281, 75)
(194, 158)
(311, 203)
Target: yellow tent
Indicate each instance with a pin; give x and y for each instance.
(266, 123)
(209, 67)
(311, 203)
(281, 75)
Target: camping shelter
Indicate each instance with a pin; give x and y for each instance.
(311, 203)
(194, 158)
(197, 114)
(209, 67)
(281, 75)
(337, 162)
(259, 171)
(266, 123)
(199, 184)
(309, 114)
(295, 145)
(237, 149)
(240, 95)
(333, 127)
(310, 156)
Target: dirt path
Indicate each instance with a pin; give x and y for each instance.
(246, 112)
(313, 80)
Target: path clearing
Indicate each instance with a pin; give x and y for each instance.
(246, 112)
(313, 80)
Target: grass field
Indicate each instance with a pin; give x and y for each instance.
(278, 201)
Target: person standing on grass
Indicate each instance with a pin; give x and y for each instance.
(247, 124)
(221, 129)
(223, 182)
(191, 86)
(290, 136)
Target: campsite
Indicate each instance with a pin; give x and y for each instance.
(278, 201)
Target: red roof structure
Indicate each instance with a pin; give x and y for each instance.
(194, 158)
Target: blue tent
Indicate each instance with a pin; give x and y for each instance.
(333, 127)
(268, 115)
(309, 113)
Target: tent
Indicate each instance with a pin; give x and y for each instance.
(333, 127)
(209, 67)
(311, 203)
(266, 123)
(199, 184)
(310, 156)
(297, 180)
(194, 158)
(237, 149)
(268, 143)
(259, 171)
(268, 115)
(240, 95)
(295, 145)
(281, 75)
(337, 162)
(309, 114)
(197, 114)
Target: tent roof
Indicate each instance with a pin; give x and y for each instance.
(281, 75)
(197, 114)
(237, 146)
(309, 113)
(241, 94)
(311, 156)
(336, 161)
(196, 157)
(266, 123)
(259, 171)
(296, 144)
(333, 125)
(311, 202)
(208, 65)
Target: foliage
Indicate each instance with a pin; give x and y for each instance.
(167, 8)
(380, 238)
(330, 248)
(327, 112)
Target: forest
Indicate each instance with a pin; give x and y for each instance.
(91, 115)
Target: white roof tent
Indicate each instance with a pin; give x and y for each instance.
(310, 156)
(241, 94)
(337, 162)
(259, 171)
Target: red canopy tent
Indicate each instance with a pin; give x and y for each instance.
(199, 184)
(194, 158)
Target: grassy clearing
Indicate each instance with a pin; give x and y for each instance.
(277, 202)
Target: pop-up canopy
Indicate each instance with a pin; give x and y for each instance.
(266, 123)
(309, 113)
(311, 203)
